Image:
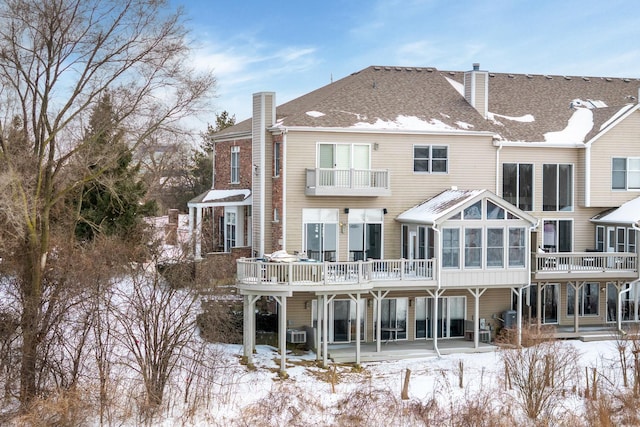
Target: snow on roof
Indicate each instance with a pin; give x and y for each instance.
(579, 125)
(213, 195)
(430, 210)
(314, 114)
(220, 196)
(406, 123)
(627, 213)
(527, 118)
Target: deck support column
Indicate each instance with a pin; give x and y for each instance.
(539, 304)
(282, 332)
(319, 323)
(325, 329)
(378, 306)
(477, 293)
(249, 327)
(435, 295)
(519, 297)
(576, 307)
(358, 330)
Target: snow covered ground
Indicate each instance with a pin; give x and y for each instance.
(371, 395)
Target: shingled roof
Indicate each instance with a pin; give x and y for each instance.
(522, 107)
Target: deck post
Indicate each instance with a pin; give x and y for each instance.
(319, 323)
(358, 315)
(198, 234)
(477, 293)
(576, 309)
(282, 300)
(249, 328)
(539, 303)
(519, 314)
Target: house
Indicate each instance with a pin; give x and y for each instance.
(423, 205)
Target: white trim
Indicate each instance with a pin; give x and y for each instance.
(277, 129)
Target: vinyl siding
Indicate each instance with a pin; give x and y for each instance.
(621, 141)
(471, 166)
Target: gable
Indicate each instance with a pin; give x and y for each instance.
(463, 205)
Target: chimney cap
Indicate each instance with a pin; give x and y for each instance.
(476, 66)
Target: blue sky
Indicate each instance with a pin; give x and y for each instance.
(293, 47)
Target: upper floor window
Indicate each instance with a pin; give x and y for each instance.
(557, 187)
(430, 158)
(558, 235)
(625, 173)
(451, 248)
(235, 164)
(276, 159)
(517, 184)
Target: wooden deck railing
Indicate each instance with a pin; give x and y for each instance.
(585, 262)
(254, 271)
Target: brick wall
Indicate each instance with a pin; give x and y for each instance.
(276, 199)
(223, 165)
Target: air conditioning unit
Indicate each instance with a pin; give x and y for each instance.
(296, 337)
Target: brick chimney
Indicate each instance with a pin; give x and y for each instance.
(476, 89)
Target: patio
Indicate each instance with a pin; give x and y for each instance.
(397, 350)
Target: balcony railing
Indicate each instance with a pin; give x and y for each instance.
(348, 182)
(257, 271)
(611, 263)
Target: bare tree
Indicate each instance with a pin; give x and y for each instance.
(57, 58)
(157, 323)
(541, 374)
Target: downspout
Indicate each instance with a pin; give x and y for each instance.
(636, 227)
(438, 271)
(527, 286)
(498, 168)
(587, 175)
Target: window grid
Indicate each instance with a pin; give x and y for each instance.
(430, 158)
(235, 164)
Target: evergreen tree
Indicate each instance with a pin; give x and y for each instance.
(112, 202)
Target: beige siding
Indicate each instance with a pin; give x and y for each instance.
(471, 166)
(621, 141)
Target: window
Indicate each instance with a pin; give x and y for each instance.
(230, 235)
(365, 234)
(474, 211)
(276, 159)
(235, 164)
(625, 173)
(393, 321)
(517, 185)
(430, 158)
(451, 248)
(473, 247)
(516, 247)
(620, 239)
(631, 240)
(557, 235)
(494, 211)
(320, 233)
(557, 187)
(495, 247)
(600, 238)
(588, 299)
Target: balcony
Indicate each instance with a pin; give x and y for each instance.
(348, 182)
(259, 274)
(584, 266)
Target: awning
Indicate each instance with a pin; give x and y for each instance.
(626, 214)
